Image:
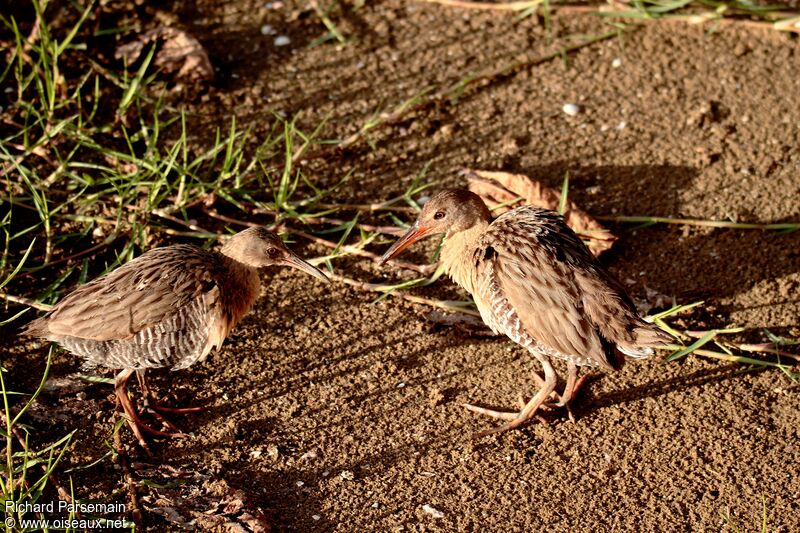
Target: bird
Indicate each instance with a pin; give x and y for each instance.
(168, 308)
(535, 281)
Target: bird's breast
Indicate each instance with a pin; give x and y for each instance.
(240, 291)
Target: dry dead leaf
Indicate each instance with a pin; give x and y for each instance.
(179, 53)
(513, 190)
(202, 502)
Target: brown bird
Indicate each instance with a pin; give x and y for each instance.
(167, 308)
(535, 281)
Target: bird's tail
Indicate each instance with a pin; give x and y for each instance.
(34, 328)
(648, 336)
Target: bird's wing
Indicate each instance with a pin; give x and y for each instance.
(533, 272)
(160, 286)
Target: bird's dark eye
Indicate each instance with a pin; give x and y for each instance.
(439, 215)
(273, 252)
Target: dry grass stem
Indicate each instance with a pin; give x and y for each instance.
(62, 493)
(388, 290)
(425, 270)
(778, 20)
(25, 301)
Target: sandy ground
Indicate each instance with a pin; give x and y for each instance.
(329, 412)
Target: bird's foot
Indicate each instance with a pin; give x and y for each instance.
(154, 405)
(566, 399)
(515, 419)
(173, 432)
(157, 410)
(139, 428)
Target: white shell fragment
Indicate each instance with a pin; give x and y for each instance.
(433, 511)
(571, 109)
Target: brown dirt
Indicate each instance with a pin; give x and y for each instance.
(333, 413)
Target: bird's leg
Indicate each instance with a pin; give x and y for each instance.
(572, 388)
(527, 412)
(129, 411)
(540, 381)
(121, 392)
(569, 389)
(154, 405)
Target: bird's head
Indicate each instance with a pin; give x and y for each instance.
(448, 212)
(258, 247)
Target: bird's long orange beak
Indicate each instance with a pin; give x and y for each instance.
(415, 233)
(295, 262)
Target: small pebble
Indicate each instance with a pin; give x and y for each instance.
(621, 125)
(299, 483)
(273, 452)
(348, 475)
(616, 63)
(376, 505)
(571, 109)
(316, 517)
(282, 40)
(401, 385)
(433, 511)
(266, 29)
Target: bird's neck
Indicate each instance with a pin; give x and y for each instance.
(233, 250)
(243, 287)
(458, 250)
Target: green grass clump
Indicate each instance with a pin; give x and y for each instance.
(26, 472)
(96, 164)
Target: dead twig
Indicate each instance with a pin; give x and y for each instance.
(388, 205)
(89, 251)
(130, 483)
(766, 347)
(487, 6)
(214, 214)
(425, 270)
(776, 20)
(387, 290)
(166, 216)
(392, 231)
(725, 224)
(25, 301)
